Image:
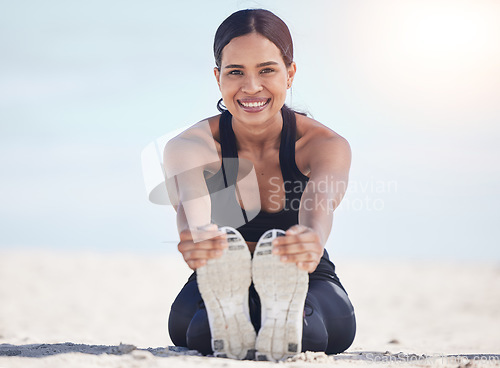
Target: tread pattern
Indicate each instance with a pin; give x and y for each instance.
(282, 288)
(223, 283)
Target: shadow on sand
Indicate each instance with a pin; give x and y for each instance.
(44, 350)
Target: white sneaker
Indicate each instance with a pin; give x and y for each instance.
(223, 283)
(282, 288)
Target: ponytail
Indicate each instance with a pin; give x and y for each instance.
(220, 106)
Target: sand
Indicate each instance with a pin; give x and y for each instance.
(62, 309)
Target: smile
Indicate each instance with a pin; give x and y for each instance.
(254, 105)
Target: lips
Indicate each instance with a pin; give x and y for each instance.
(253, 104)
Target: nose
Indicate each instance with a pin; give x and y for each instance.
(251, 84)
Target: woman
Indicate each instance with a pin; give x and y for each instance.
(270, 178)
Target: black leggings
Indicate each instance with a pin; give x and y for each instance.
(329, 322)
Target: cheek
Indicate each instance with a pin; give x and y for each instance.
(280, 87)
(280, 83)
(228, 87)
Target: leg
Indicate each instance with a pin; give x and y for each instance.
(211, 314)
(198, 334)
(329, 323)
(188, 323)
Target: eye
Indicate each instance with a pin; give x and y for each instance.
(235, 72)
(267, 70)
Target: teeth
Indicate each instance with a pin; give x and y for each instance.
(253, 104)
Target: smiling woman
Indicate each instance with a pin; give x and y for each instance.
(264, 286)
(249, 85)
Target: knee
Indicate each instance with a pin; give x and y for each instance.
(177, 326)
(314, 334)
(337, 314)
(183, 309)
(198, 336)
(342, 336)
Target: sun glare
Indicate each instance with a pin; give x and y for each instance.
(429, 55)
(446, 31)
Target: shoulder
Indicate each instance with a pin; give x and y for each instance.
(202, 133)
(313, 132)
(319, 145)
(196, 146)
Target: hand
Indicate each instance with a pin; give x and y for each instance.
(196, 253)
(300, 245)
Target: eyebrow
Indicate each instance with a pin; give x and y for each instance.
(237, 66)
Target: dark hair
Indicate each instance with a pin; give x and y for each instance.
(259, 21)
(248, 21)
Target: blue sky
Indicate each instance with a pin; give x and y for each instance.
(412, 85)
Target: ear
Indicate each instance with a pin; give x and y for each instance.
(292, 69)
(217, 75)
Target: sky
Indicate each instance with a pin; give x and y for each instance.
(412, 85)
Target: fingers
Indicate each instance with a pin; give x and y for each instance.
(189, 245)
(298, 229)
(297, 233)
(300, 245)
(311, 254)
(198, 259)
(197, 263)
(307, 266)
(304, 261)
(307, 242)
(202, 251)
(190, 253)
(196, 253)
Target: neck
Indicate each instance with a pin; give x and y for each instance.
(258, 138)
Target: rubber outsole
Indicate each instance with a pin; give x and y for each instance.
(223, 284)
(282, 288)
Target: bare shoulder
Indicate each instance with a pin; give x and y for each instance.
(319, 143)
(196, 146)
(201, 133)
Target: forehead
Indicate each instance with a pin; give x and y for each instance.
(250, 49)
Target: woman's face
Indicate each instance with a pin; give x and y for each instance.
(253, 78)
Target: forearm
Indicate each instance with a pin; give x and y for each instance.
(194, 213)
(313, 215)
(317, 206)
(192, 202)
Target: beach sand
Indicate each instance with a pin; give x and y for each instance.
(63, 309)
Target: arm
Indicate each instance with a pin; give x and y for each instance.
(184, 161)
(329, 162)
(326, 187)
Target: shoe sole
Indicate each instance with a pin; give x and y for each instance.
(223, 284)
(282, 288)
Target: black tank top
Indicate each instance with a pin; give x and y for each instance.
(226, 210)
(223, 192)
